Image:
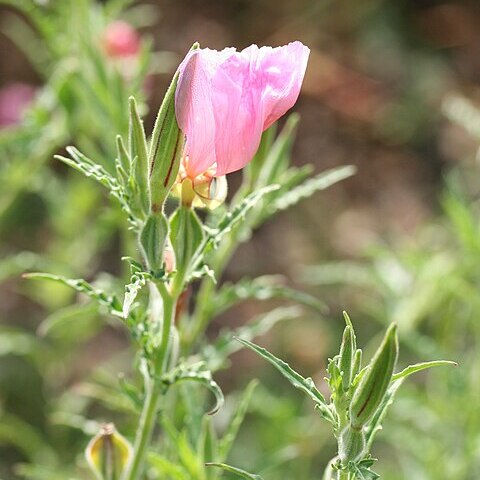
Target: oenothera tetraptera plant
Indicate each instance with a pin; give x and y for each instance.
(217, 117)
(359, 399)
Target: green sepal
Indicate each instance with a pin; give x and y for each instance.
(138, 151)
(374, 384)
(152, 240)
(108, 453)
(166, 149)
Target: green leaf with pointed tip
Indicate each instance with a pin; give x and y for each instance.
(233, 217)
(418, 367)
(138, 150)
(231, 432)
(80, 285)
(166, 468)
(320, 182)
(306, 385)
(226, 344)
(237, 471)
(262, 288)
(375, 423)
(90, 169)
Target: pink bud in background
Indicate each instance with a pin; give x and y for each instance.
(121, 40)
(225, 100)
(14, 100)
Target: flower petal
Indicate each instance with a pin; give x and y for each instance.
(283, 69)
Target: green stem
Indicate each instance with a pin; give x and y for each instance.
(144, 431)
(169, 305)
(153, 389)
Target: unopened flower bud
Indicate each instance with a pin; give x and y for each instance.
(346, 357)
(373, 386)
(121, 40)
(108, 453)
(351, 445)
(152, 240)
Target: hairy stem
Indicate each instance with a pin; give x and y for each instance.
(153, 389)
(144, 431)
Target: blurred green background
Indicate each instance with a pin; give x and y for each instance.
(391, 87)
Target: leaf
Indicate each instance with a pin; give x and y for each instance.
(375, 424)
(237, 471)
(198, 373)
(306, 385)
(231, 432)
(138, 280)
(231, 218)
(73, 323)
(418, 367)
(80, 285)
(90, 169)
(320, 182)
(226, 343)
(262, 288)
(139, 150)
(166, 468)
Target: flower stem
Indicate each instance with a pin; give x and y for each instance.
(144, 431)
(153, 389)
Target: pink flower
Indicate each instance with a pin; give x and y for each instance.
(14, 100)
(225, 100)
(121, 40)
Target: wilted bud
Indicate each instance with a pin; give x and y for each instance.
(108, 453)
(351, 445)
(121, 40)
(346, 357)
(152, 239)
(373, 386)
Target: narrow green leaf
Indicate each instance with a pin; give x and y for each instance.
(418, 367)
(138, 150)
(231, 432)
(237, 471)
(233, 217)
(166, 468)
(306, 385)
(226, 343)
(80, 285)
(320, 182)
(262, 288)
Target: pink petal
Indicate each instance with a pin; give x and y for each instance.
(225, 100)
(238, 115)
(283, 69)
(194, 112)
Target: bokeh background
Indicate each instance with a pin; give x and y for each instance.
(391, 88)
